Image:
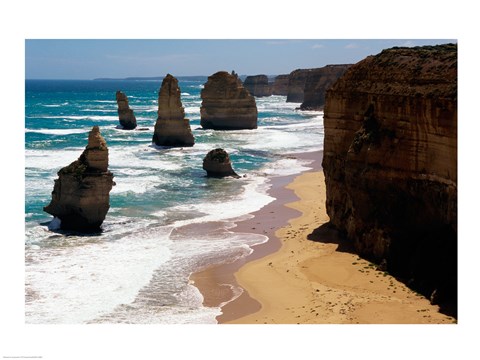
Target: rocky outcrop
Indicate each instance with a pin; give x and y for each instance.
(296, 85)
(125, 114)
(80, 197)
(258, 85)
(226, 104)
(217, 164)
(280, 85)
(390, 163)
(171, 128)
(317, 83)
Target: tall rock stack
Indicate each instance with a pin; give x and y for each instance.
(296, 85)
(125, 114)
(258, 85)
(390, 163)
(226, 104)
(317, 83)
(80, 197)
(280, 85)
(171, 128)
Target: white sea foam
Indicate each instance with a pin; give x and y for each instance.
(58, 131)
(92, 279)
(185, 94)
(55, 105)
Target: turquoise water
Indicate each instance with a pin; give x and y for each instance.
(136, 270)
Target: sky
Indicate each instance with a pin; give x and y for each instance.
(120, 58)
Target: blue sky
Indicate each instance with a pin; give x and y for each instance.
(88, 59)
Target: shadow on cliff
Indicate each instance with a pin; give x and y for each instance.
(442, 296)
(327, 234)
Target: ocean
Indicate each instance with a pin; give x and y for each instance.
(136, 270)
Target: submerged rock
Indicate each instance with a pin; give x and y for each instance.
(258, 85)
(125, 114)
(217, 164)
(390, 164)
(171, 128)
(80, 197)
(226, 104)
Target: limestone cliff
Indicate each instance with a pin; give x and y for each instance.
(226, 104)
(280, 85)
(317, 83)
(80, 197)
(171, 128)
(296, 84)
(125, 114)
(258, 85)
(217, 164)
(390, 163)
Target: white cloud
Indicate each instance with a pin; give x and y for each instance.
(352, 46)
(408, 43)
(318, 46)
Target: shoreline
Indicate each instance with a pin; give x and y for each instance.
(306, 273)
(215, 282)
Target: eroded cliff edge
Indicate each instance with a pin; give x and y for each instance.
(390, 163)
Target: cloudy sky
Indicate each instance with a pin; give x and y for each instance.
(88, 59)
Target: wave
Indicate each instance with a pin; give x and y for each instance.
(58, 131)
(54, 105)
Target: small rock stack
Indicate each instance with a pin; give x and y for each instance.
(217, 164)
(125, 114)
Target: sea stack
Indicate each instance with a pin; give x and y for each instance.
(226, 104)
(171, 128)
(390, 164)
(258, 85)
(125, 114)
(80, 197)
(317, 83)
(280, 85)
(296, 85)
(217, 164)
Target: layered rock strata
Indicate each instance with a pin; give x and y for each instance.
(125, 114)
(296, 85)
(280, 85)
(171, 128)
(257, 85)
(390, 163)
(226, 104)
(317, 83)
(217, 164)
(80, 197)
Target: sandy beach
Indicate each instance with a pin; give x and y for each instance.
(306, 273)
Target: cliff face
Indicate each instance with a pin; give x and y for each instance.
(171, 128)
(125, 114)
(226, 104)
(257, 85)
(296, 84)
(390, 163)
(280, 85)
(317, 83)
(80, 197)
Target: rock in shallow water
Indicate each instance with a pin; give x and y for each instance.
(217, 164)
(80, 197)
